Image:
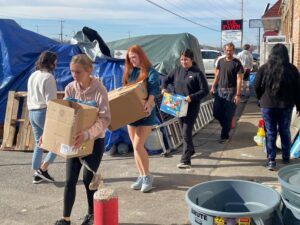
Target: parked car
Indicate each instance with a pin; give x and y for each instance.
(209, 58)
(255, 61)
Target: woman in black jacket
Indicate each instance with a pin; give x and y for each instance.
(189, 81)
(277, 85)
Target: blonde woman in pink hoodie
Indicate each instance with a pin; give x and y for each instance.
(89, 90)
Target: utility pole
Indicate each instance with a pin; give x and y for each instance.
(37, 28)
(129, 34)
(61, 30)
(242, 16)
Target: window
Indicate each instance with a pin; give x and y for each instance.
(210, 55)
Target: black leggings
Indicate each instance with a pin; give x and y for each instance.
(73, 167)
(187, 124)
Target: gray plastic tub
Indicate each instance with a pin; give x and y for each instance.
(233, 199)
(289, 177)
(290, 196)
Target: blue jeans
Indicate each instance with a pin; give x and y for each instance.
(37, 121)
(277, 120)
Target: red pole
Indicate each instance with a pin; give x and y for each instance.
(105, 210)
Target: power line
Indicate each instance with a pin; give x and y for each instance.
(182, 17)
(228, 13)
(214, 12)
(196, 17)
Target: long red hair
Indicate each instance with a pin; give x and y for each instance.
(145, 64)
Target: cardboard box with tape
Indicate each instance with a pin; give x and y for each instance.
(127, 104)
(64, 119)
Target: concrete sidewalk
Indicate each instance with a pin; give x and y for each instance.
(23, 203)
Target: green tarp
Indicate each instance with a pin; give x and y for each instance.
(162, 50)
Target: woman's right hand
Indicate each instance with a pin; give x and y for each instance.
(212, 90)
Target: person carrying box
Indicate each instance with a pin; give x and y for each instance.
(138, 68)
(85, 88)
(189, 81)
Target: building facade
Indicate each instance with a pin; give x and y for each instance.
(290, 27)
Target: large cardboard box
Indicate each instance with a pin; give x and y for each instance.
(64, 119)
(127, 105)
(174, 105)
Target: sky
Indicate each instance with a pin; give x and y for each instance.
(118, 19)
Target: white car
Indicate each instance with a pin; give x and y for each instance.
(209, 58)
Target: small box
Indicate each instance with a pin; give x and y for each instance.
(174, 105)
(64, 119)
(127, 104)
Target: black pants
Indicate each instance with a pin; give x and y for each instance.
(224, 111)
(187, 124)
(73, 167)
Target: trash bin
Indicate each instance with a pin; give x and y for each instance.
(290, 213)
(289, 178)
(231, 201)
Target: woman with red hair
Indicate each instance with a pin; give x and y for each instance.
(139, 68)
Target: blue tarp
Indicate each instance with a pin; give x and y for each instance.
(20, 49)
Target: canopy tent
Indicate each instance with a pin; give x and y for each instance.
(162, 50)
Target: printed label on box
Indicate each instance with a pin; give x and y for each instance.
(68, 150)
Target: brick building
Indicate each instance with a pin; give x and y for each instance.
(290, 27)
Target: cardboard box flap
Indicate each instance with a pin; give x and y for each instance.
(128, 89)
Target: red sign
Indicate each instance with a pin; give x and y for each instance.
(232, 25)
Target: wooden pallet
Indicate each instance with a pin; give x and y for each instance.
(17, 131)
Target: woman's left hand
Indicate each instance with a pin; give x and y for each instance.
(79, 138)
(237, 99)
(147, 107)
(188, 99)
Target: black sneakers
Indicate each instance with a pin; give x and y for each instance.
(285, 160)
(88, 220)
(271, 165)
(37, 179)
(62, 222)
(44, 175)
(223, 140)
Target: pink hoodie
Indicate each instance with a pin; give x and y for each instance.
(96, 91)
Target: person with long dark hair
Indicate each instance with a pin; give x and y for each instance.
(277, 85)
(41, 88)
(189, 81)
